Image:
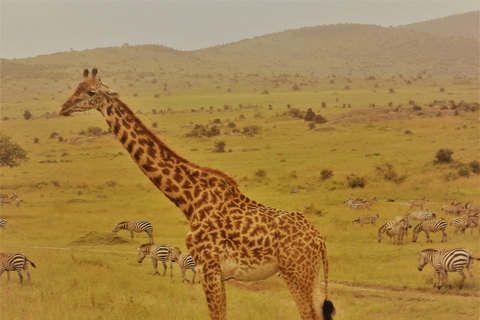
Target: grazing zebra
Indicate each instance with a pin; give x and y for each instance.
(14, 262)
(444, 261)
(460, 224)
(418, 203)
(423, 215)
(159, 252)
(365, 220)
(3, 222)
(185, 262)
(431, 226)
(399, 229)
(384, 229)
(137, 226)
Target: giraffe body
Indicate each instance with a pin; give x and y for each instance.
(230, 236)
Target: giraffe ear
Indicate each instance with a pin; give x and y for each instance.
(111, 93)
(85, 73)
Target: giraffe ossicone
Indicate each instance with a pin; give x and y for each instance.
(230, 235)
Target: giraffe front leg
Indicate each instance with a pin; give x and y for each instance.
(214, 289)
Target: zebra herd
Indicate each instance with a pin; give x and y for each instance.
(158, 252)
(442, 260)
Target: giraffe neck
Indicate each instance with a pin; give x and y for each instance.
(187, 185)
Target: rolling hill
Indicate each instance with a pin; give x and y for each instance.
(464, 24)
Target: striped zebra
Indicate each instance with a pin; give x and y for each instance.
(3, 222)
(423, 215)
(399, 228)
(158, 252)
(137, 226)
(418, 203)
(460, 224)
(384, 229)
(431, 226)
(185, 262)
(365, 220)
(444, 261)
(14, 262)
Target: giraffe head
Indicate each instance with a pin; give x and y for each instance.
(91, 93)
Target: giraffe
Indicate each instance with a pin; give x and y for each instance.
(230, 236)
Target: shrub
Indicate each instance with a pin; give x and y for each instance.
(463, 172)
(260, 173)
(312, 210)
(319, 119)
(355, 181)
(220, 146)
(475, 166)
(309, 115)
(252, 130)
(326, 174)
(27, 115)
(444, 156)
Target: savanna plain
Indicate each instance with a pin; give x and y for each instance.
(79, 182)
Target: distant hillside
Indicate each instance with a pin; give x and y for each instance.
(348, 50)
(464, 24)
(343, 50)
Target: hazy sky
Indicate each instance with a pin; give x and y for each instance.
(31, 28)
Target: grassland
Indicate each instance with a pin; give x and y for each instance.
(76, 186)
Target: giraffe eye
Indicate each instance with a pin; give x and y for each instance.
(91, 93)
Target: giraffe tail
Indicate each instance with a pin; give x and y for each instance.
(328, 309)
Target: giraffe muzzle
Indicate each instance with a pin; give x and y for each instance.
(65, 110)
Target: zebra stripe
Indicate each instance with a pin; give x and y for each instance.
(3, 222)
(14, 262)
(445, 261)
(384, 229)
(185, 262)
(460, 224)
(159, 252)
(431, 226)
(423, 215)
(135, 226)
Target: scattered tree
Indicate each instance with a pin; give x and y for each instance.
(11, 154)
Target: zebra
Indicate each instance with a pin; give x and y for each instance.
(360, 206)
(371, 201)
(418, 203)
(185, 262)
(384, 229)
(159, 252)
(460, 224)
(15, 262)
(399, 229)
(3, 222)
(365, 220)
(471, 208)
(423, 215)
(7, 201)
(431, 226)
(444, 261)
(137, 226)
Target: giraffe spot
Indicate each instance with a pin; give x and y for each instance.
(126, 123)
(138, 154)
(166, 172)
(124, 137)
(133, 135)
(130, 146)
